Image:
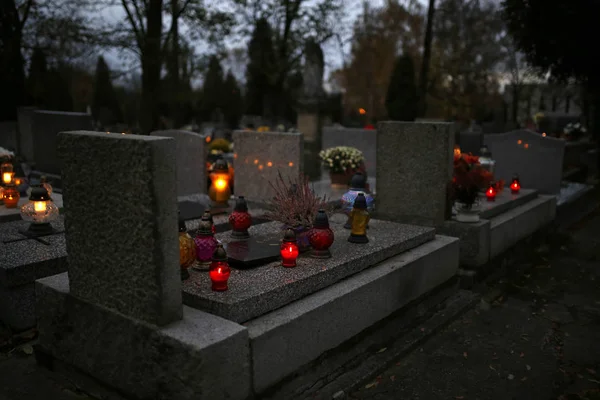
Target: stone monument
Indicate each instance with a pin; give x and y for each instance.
(309, 108)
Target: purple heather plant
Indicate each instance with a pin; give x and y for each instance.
(295, 203)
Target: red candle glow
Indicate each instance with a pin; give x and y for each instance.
(491, 192)
(289, 249)
(515, 186)
(219, 270)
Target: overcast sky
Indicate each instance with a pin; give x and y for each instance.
(333, 55)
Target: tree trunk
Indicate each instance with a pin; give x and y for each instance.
(12, 75)
(151, 63)
(594, 92)
(426, 59)
(515, 103)
(175, 87)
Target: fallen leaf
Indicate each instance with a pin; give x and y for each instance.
(459, 397)
(370, 385)
(398, 364)
(492, 368)
(382, 350)
(523, 379)
(528, 367)
(522, 355)
(422, 329)
(591, 371)
(594, 380)
(393, 378)
(580, 376)
(511, 377)
(27, 349)
(465, 355)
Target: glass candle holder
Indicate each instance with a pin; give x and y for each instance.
(289, 249)
(7, 178)
(515, 185)
(240, 220)
(40, 210)
(205, 242)
(360, 220)
(491, 192)
(219, 270)
(219, 191)
(321, 236)
(11, 196)
(187, 247)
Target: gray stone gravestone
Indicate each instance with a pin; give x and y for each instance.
(259, 156)
(470, 142)
(8, 135)
(414, 168)
(45, 127)
(190, 151)
(25, 120)
(363, 139)
(538, 160)
(122, 246)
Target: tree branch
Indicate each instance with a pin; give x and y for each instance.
(26, 13)
(140, 17)
(131, 20)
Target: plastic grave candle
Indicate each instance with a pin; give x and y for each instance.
(358, 184)
(11, 196)
(6, 168)
(321, 236)
(219, 191)
(219, 270)
(187, 250)
(7, 177)
(209, 216)
(40, 211)
(240, 220)
(491, 192)
(289, 249)
(205, 243)
(515, 184)
(486, 160)
(360, 219)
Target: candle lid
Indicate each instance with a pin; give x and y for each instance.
(515, 177)
(208, 215)
(241, 205)
(220, 254)
(205, 226)
(220, 166)
(289, 236)
(321, 220)
(361, 202)
(484, 151)
(39, 193)
(359, 181)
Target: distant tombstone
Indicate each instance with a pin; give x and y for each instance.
(121, 231)
(470, 142)
(537, 159)
(364, 140)
(45, 127)
(190, 150)
(8, 135)
(25, 121)
(414, 168)
(312, 73)
(259, 156)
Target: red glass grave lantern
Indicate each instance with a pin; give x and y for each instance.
(491, 192)
(219, 270)
(515, 185)
(206, 243)
(289, 249)
(321, 236)
(11, 196)
(240, 220)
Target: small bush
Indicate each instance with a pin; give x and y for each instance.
(221, 145)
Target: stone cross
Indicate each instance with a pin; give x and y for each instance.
(259, 156)
(121, 226)
(190, 150)
(414, 169)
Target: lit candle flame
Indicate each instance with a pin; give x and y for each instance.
(7, 177)
(39, 206)
(220, 184)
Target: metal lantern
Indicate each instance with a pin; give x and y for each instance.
(485, 159)
(40, 211)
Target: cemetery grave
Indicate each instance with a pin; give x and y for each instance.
(308, 305)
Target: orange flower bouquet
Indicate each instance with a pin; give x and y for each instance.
(469, 179)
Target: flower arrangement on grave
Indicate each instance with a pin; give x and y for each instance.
(263, 128)
(219, 146)
(342, 162)
(469, 179)
(296, 205)
(574, 131)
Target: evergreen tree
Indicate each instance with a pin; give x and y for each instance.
(58, 90)
(105, 106)
(212, 91)
(259, 73)
(402, 99)
(232, 102)
(37, 79)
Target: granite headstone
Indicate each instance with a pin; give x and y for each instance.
(259, 157)
(25, 142)
(121, 230)
(414, 168)
(8, 135)
(45, 127)
(190, 151)
(362, 139)
(537, 159)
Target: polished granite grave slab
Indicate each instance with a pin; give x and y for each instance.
(23, 261)
(505, 201)
(257, 291)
